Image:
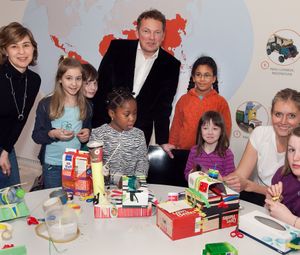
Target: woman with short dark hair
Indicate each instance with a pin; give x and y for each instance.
(19, 87)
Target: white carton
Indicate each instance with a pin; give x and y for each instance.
(268, 230)
(136, 197)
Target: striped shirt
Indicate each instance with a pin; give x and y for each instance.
(124, 152)
(224, 165)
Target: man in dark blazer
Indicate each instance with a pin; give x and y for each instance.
(145, 68)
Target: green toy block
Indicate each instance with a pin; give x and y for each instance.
(13, 211)
(17, 250)
(219, 249)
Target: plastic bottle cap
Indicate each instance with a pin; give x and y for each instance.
(3, 227)
(20, 193)
(6, 234)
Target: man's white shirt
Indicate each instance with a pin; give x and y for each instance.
(142, 69)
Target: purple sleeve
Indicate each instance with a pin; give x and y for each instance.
(190, 162)
(277, 176)
(229, 166)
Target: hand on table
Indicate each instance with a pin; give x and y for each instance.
(235, 182)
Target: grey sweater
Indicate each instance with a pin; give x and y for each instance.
(124, 152)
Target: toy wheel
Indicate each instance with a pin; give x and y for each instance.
(281, 59)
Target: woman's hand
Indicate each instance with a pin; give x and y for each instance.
(4, 163)
(83, 135)
(233, 181)
(168, 149)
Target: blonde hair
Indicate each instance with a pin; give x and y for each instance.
(14, 33)
(286, 95)
(56, 108)
(287, 168)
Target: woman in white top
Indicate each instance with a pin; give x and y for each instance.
(266, 147)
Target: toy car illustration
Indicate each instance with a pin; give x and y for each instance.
(247, 119)
(285, 47)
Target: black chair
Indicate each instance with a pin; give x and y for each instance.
(163, 169)
(253, 198)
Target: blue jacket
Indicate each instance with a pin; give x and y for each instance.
(43, 125)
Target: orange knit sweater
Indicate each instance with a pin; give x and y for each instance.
(188, 112)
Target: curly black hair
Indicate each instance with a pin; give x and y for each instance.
(118, 96)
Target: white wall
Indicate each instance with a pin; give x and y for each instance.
(264, 77)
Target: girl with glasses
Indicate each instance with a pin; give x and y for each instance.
(202, 96)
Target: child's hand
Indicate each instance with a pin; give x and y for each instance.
(120, 183)
(83, 135)
(66, 135)
(61, 134)
(275, 191)
(197, 168)
(279, 211)
(193, 170)
(220, 178)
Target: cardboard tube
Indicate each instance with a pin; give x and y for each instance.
(96, 154)
(98, 179)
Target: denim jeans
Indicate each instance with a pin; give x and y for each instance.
(14, 177)
(51, 176)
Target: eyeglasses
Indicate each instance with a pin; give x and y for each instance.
(205, 76)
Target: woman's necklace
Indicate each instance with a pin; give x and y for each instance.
(20, 114)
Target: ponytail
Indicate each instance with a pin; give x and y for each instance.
(216, 86)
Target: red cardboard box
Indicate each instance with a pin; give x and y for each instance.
(76, 173)
(192, 222)
(214, 205)
(111, 211)
(116, 209)
(181, 224)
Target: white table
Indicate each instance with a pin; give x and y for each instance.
(126, 235)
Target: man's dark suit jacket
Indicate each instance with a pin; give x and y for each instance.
(154, 102)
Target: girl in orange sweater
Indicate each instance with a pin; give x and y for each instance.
(202, 96)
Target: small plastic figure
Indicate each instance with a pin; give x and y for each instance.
(213, 173)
